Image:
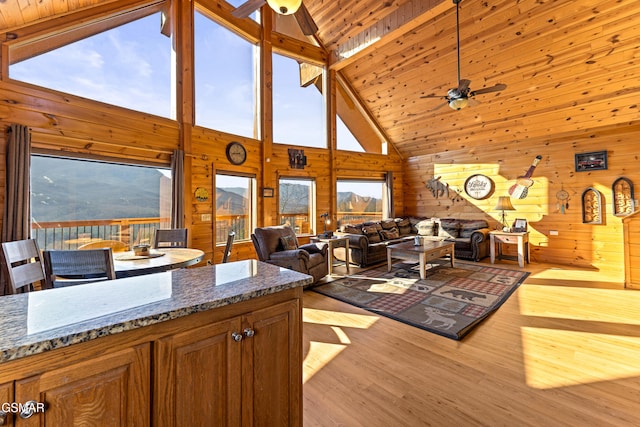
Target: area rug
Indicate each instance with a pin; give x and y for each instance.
(448, 302)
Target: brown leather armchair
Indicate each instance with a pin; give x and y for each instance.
(278, 245)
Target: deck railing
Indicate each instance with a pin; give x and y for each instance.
(132, 231)
(73, 234)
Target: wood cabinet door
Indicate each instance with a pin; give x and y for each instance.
(272, 370)
(198, 376)
(6, 397)
(110, 390)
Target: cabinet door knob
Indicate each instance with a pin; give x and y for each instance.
(248, 332)
(28, 409)
(237, 337)
(3, 418)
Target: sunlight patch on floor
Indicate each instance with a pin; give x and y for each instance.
(569, 274)
(559, 358)
(593, 305)
(338, 318)
(319, 355)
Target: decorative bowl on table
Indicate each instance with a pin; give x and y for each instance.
(141, 250)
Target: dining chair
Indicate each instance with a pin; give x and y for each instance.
(229, 246)
(170, 238)
(115, 245)
(22, 266)
(76, 267)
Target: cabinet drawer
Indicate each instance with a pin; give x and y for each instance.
(507, 239)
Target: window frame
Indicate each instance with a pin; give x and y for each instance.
(383, 197)
(253, 209)
(312, 203)
(164, 222)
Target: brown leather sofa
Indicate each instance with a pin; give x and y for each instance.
(368, 241)
(278, 245)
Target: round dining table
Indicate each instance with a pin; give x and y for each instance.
(128, 264)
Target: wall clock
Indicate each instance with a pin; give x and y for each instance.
(478, 186)
(236, 153)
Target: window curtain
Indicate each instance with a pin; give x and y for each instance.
(391, 212)
(177, 180)
(16, 219)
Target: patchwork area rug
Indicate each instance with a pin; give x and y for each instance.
(449, 302)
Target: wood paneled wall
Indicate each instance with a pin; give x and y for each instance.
(209, 158)
(587, 245)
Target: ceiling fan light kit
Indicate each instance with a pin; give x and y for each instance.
(285, 7)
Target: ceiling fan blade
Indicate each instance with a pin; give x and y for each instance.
(439, 106)
(497, 88)
(463, 85)
(247, 8)
(306, 22)
(473, 102)
(434, 96)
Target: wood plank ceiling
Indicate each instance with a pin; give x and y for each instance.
(570, 66)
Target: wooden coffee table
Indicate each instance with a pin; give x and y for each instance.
(425, 252)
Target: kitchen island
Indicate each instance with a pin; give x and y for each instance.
(215, 345)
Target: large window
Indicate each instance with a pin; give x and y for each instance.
(296, 206)
(360, 201)
(225, 79)
(128, 66)
(74, 202)
(235, 207)
(298, 103)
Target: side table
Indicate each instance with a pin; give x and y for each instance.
(517, 238)
(335, 242)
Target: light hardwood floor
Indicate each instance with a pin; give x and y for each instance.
(564, 350)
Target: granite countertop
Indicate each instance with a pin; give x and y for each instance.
(35, 322)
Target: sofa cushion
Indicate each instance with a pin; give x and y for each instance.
(390, 234)
(352, 229)
(404, 226)
(288, 242)
(371, 231)
(449, 228)
(467, 227)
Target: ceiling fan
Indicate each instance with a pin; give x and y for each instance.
(283, 7)
(461, 96)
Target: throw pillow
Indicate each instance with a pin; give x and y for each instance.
(425, 227)
(372, 234)
(390, 234)
(404, 227)
(387, 224)
(289, 242)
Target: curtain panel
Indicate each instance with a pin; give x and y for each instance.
(16, 219)
(177, 179)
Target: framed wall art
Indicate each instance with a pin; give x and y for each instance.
(591, 206)
(623, 202)
(267, 192)
(478, 186)
(594, 161)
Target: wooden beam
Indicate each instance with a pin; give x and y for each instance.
(398, 22)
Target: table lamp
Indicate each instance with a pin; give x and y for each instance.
(504, 204)
(326, 221)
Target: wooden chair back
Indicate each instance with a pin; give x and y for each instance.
(22, 265)
(170, 238)
(229, 246)
(77, 267)
(114, 245)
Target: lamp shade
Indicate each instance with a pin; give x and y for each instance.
(504, 204)
(285, 7)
